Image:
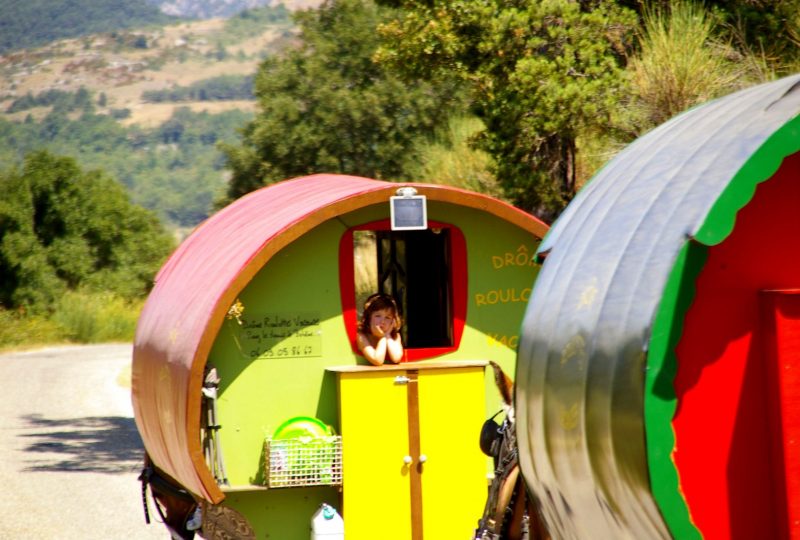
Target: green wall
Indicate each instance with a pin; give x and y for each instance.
(267, 379)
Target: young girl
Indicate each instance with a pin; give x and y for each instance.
(379, 331)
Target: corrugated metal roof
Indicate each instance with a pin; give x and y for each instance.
(195, 288)
(583, 353)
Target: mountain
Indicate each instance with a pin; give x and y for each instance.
(32, 23)
(148, 105)
(124, 65)
(207, 9)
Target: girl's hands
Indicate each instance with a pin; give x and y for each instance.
(384, 339)
(382, 323)
(377, 331)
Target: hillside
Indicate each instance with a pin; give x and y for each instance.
(123, 65)
(37, 22)
(207, 9)
(148, 106)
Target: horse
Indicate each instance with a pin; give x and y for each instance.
(510, 513)
(175, 505)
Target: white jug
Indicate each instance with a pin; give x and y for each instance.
(327, 524)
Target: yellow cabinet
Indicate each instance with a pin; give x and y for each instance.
(412, 468)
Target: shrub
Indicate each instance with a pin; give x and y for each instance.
(18, 330)
(681, 62)
(86, 317)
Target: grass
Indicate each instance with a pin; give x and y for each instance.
(451, 159)
(79, 317)
(683, 63)
(20, 331)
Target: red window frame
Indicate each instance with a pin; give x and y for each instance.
(458, 280)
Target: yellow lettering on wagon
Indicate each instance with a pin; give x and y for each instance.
(574, 356)
(502, 296)
(521, 257)
(164, 385)
(575, 348)
(588, 294)
(497, 340)
(569, 417)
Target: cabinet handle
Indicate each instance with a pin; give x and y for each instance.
(423, 458)
(407, 460)
(401, 379)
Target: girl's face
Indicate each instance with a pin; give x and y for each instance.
(383, 319)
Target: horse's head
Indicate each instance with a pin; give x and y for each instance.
(506, 387)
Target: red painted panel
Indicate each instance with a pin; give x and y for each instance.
(781, 338)
(722, 434)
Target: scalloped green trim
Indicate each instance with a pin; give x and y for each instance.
(764, 163)
(660, 401)
(679, 291)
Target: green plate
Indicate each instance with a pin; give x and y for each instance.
(302, 426)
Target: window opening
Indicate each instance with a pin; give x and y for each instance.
(416, 267)
(365, 266)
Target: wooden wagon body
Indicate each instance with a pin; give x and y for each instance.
(268, 290)
(657, 393)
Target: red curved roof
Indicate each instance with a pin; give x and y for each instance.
(195, 288)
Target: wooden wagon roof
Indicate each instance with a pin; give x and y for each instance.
(589, 354)
(196, 287)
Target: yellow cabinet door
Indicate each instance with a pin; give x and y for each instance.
(454, 483)
(374, 425)
(412, 468)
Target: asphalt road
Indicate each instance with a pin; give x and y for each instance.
(70, 453)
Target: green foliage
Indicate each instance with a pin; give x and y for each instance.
(19, 330)
(175, 170)
(327, 107)
(79, 316)
(680, 64)
(120, 114)
(21, 24)
(767, 29)
(542, 73)
(451, 159)
(87, 317)
(222, 88)
(251, 22)
(62, 228)
(58, 99)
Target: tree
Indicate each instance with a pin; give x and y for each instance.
(680, 63)
(62, 228)
(326, 106)
(769, 29)
(543, 74)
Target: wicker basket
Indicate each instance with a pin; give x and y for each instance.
(304, 461)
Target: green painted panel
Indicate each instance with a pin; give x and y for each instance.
(282, 514)
(759, 167)
(501, 273)
(500, 276)
(272, 361)
(259, 391)
(660, 402)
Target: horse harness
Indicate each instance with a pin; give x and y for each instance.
(500, 442)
